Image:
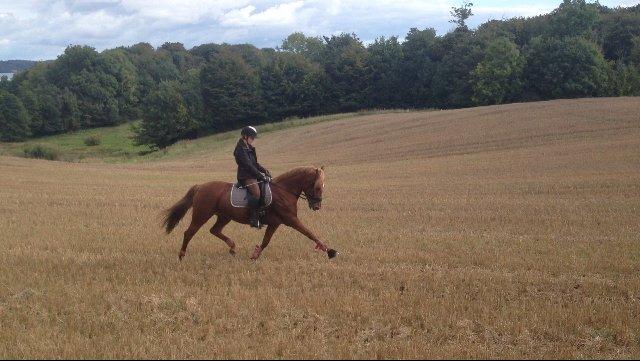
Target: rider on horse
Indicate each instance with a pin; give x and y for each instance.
(250, 171)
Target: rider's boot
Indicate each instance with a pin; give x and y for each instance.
(254, 206)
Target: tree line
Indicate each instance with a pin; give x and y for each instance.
(578, 50)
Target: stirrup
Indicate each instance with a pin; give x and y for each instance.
(255, 222)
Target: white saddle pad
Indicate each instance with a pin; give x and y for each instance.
(240, 199)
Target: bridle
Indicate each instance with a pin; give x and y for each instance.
(311, 198)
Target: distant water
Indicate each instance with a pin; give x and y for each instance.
(8, 75)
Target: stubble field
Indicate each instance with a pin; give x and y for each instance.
(503, 231)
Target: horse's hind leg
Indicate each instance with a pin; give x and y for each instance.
(216, 230)
(197, 220)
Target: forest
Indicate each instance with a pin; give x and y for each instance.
(578, 50)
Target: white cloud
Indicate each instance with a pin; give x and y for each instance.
(40, 29)
(181, 11)
(496, 12)
(279, 15)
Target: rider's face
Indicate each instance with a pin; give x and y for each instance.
(249, 139)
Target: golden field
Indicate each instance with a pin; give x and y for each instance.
(501, 231)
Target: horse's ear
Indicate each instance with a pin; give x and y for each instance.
(322, 167)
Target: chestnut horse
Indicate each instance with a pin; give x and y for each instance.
(213, 198)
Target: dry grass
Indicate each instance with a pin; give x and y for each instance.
(497, 232)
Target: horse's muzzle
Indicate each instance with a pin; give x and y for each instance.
(315, 206)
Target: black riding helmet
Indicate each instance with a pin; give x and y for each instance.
(249, 131)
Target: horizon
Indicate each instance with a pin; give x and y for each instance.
(107, 24)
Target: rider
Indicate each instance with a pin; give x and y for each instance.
(250, 171)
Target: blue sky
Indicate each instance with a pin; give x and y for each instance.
(37, 30)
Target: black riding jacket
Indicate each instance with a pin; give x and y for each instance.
(247, 160)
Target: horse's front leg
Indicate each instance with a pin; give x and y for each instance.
(271, 229)
(297, 225)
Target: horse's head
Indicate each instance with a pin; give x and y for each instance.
(314, 192)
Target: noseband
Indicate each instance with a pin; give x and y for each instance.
(311, 198)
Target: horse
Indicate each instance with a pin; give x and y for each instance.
(213, 198)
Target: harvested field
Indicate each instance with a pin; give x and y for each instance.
(501, 231)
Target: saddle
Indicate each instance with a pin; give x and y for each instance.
(240, 199)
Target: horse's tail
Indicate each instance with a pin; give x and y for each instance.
(173, 215)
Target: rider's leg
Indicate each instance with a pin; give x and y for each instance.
(254, 201)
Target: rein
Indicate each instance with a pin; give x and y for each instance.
(303, 195)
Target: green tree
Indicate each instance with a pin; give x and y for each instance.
(182, 59)
(166, 116)
(4, 83)
(117, 64)
(345, 65)
(634, 54)
(385, 64)
(618, 31)
(205, 52)
(452, 85)
(69, 111)
(192, 95)
(290, 86)
(252, 56)
(565, 68)
(152, 67)
(41, 99)
(627, 77)
(309, 47)
(101, 83)
(75, 59)
(14, 119)
(497, 78)
(461, 14)
(573, 18)
(230, 92)
(421, 53)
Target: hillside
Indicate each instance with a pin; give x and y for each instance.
(492, 232)
(117, 143)
(14, 66)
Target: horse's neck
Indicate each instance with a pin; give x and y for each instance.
(295, 183)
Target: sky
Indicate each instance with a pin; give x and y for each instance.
(41, 30)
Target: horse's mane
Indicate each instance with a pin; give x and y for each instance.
(294, 173)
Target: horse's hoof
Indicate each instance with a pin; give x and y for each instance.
(332, 253)
(232, 251)
(256, 253)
